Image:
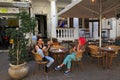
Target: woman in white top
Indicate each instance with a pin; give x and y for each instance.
(40, 49)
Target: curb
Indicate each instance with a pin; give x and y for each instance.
(4, 50)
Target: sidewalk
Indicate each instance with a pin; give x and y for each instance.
(90, 71)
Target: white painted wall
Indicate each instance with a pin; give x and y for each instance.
(113, 26)
(118, 27)
(43, 7)
(40, 7)
(113, 30)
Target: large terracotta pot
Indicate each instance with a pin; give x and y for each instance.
(18, 71)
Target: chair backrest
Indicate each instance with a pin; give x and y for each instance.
(57, 47)
(93, 49)
(37, 56)
(115, 47)
(79, 54)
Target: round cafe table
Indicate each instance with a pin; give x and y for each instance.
(106, 52)
(58, 55)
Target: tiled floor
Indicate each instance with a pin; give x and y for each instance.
(90, 71)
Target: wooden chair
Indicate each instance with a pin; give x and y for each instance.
(114, 54)
(95, 53)
(38, 61)
(57, 47)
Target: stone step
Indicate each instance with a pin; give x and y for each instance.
(4, 50)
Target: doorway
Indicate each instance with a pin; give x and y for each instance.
(42, 25)
(94, 28)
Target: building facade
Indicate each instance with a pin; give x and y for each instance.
(46, 11)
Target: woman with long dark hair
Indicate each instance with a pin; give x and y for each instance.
(41, 49)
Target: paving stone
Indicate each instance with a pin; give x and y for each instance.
(91, 71)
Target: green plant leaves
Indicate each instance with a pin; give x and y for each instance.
(18, 53)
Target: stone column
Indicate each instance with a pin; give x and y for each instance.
(53, 17)
(68, 22)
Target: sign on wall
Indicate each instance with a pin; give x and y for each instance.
(6, 0)
(9, 10)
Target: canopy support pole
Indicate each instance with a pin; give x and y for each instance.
(100, 40)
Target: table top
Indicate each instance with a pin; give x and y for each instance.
(73, 44)
(107, 49)
(54, 50)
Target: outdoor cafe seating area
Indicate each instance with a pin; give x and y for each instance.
(95, 59)
(101, 56)
(104, 54)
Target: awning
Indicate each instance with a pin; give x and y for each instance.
(92, 9)
(89, 9)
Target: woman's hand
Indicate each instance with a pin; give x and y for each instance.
(36, 47)
(80, 50)
(44, 48)
(49, 43)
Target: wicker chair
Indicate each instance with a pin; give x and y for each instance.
(79, 55)
(38, 61)
(95, 53)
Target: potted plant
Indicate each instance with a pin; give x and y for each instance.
(18, 51)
